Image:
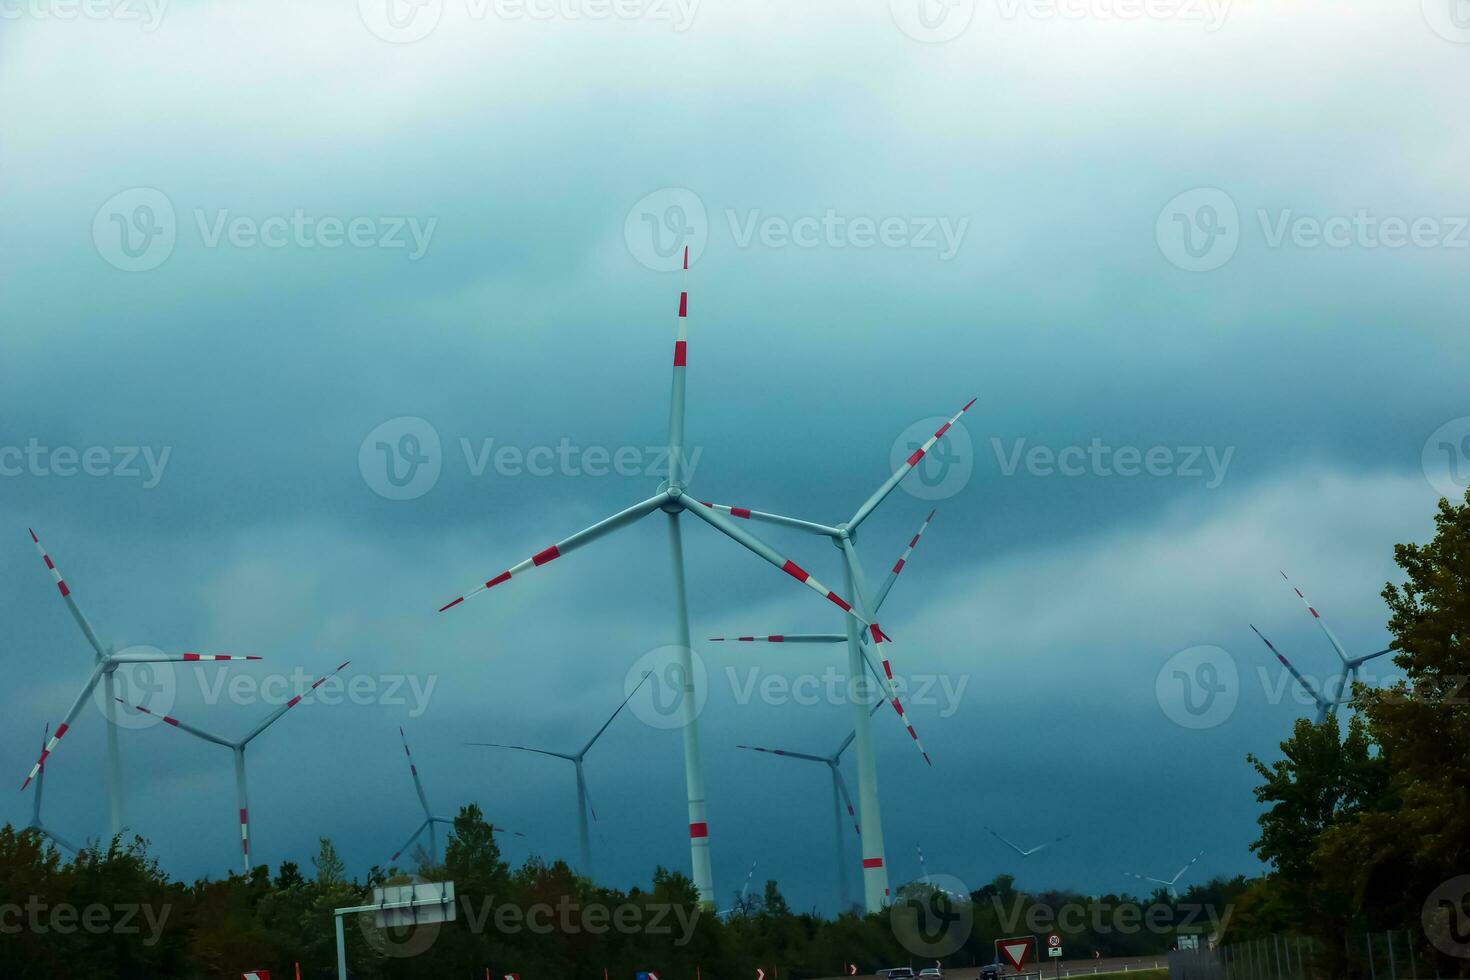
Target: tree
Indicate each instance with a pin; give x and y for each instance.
(330, 870)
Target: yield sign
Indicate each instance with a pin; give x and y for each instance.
(1016, 951)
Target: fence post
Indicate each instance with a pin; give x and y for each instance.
(1372, 967)
(1413, 966)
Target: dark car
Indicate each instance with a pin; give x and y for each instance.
(991, 971)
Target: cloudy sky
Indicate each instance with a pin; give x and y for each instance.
(1203, 266)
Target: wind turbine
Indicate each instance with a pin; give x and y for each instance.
(840, 799)
(429, 818)
(673, 500)
(107, 660)
(741, 902)
(1323, 705)
(1350, 664)
(875, 874)
(36, 823)
(584, 800)
(1030, 850)
(1168, 885)
(238, 748)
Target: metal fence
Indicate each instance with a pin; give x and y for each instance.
(1396, 954)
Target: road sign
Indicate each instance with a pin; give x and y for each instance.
(1054, 951)
(852, 969)
(1016, 951)
(1054, 941)
(257, 975)
(408, 905)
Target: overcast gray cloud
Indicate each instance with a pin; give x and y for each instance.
(1286, 394)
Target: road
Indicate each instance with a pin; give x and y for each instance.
(1070, 968)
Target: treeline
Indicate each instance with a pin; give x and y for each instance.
(1368, 830)
(113, 913)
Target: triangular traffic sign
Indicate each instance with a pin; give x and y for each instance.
(1016, 951)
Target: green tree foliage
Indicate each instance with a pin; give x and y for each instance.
(1360, 830)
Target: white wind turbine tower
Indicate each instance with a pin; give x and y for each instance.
(238, 748)
(840, 800)
(1170, 883)
(429, 818)
(673, 500)
(36, 823)
(875, 874)
(1027, 852)
(584, 799)
(107, 660)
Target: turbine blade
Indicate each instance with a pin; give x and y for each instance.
(879, 639)
(847, 802)
(847, 742)
(1306, 685)
(58, 839)
(1331, 637)
(755, 544)
(745, 513)
(1360, 661)
(783, 752)
(899, 565)
(785, 638)
(1180, 874)
(566, 546)
(524, 748)
(591, 807)
(676, 383)
(71, 601)
(181, 725)
(65, 725)
(417, 785)
(903, 471)
(1009, 844)
(172, 658)
(593, 740)
(409, 843)
(271, 718)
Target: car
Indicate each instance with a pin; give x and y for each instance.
(932, 973)
(991, 971)
(897, 973)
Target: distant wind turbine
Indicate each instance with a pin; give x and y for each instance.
(1350, 664)
(1027, 852)
(840, 799)
(429, 818)
(584, 799)
(1170, 883)
(107, 660)
(238, 748)
(742, 900)
(36, 823)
